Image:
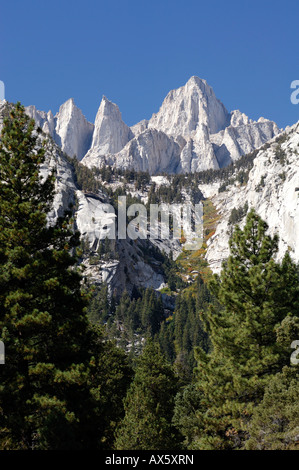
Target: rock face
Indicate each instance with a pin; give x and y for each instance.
(65, 187)
(43, 120)
(73, 132)
(93, 216)
(191, 132)
(198, 153)
(186, 109)
(242, 136)
(151, 151)
(111, 134)
(69, 128)
(273, 190)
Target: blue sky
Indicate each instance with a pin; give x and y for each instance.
(134, 52)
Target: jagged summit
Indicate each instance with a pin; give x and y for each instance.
(194, 121)
(105, 99)
(186, 108)
(197, 80)
(110, 134)
(72, 131)
(70, 102)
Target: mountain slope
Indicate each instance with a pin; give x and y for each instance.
(272, 189)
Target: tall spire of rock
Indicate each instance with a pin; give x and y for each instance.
(111, 134)
(73, 131)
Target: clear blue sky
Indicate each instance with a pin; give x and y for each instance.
(135, 51)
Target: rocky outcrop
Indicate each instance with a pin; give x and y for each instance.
(65, 187)
(151, 151)
(273, 190)
(198, 154)
(72, 131)
(241, 137)
(94, 217)
(43, 120)
(69, 128)
(110, 134)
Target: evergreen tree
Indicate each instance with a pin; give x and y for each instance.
(165, 338)
(99, 306)
(256, 295)
(179, 335)
(50, 386)
(275, 421)
(152, 311)
(147, 424)
(187, 404)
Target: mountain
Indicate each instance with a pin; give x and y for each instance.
(267, 180)
(192, 117)
(191, 132)
(42, 119)
(241, 137)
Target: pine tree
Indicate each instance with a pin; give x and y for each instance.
(187, 405)
(99, 306)
(50, 385)
(256, 295)
(152, 311)
(165, 339)
(275, 421)
(147, 424)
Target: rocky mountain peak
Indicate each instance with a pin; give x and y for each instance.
(111, 134)
(208, 135)
(188, 107)
(239, 119)
(72, 132)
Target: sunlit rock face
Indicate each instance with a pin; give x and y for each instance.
(273, 190)
(72, 131)
(207, 135)
(192, 131)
